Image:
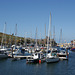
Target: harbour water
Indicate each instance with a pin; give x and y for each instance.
(63, 67)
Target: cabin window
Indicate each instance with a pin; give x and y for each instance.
(35, 54)
(63, 52)
(49, 51)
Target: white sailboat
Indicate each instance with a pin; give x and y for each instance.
(3, 49)
(3, 46)
(17, 52)
(35, 57)
(50, 56)
(63, 54)
(15, 45)
(37, 49)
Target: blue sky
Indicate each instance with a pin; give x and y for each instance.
(29, 14)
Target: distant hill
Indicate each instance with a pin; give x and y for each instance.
(11, 39)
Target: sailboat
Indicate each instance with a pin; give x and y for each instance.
(3, 50)
(3, 46)
(37, 49)
(36, 58)
(17, 50)
(63, 52)
(50, 55)
(15, 45)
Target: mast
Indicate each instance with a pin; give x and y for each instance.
(45, 33)
(53, 35)
(4, 36)
(10, 39)
(15, 34)
(49, 33)
(24, 40)
(36, 37)
(31, 38)
(40, 39)
(60, 40)
(50, 30)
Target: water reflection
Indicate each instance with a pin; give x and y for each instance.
(21, 68)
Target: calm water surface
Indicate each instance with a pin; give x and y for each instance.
(8, 67)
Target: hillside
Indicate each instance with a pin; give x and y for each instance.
(10, 38)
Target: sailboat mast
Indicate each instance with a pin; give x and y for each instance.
(60, 40)
(40, 39)
(53, 35)
(10, 39)
(4, 36)
(36, 37)
(31, 38)
(24, 40)
(45, 33)
(15, 34)
(50, 30)
(48, 34)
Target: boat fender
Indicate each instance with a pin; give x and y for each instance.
(39, 61)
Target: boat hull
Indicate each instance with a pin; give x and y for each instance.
(3, 56)
(32, 61)
(73, 49)
(52, 60)
(63, 56)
